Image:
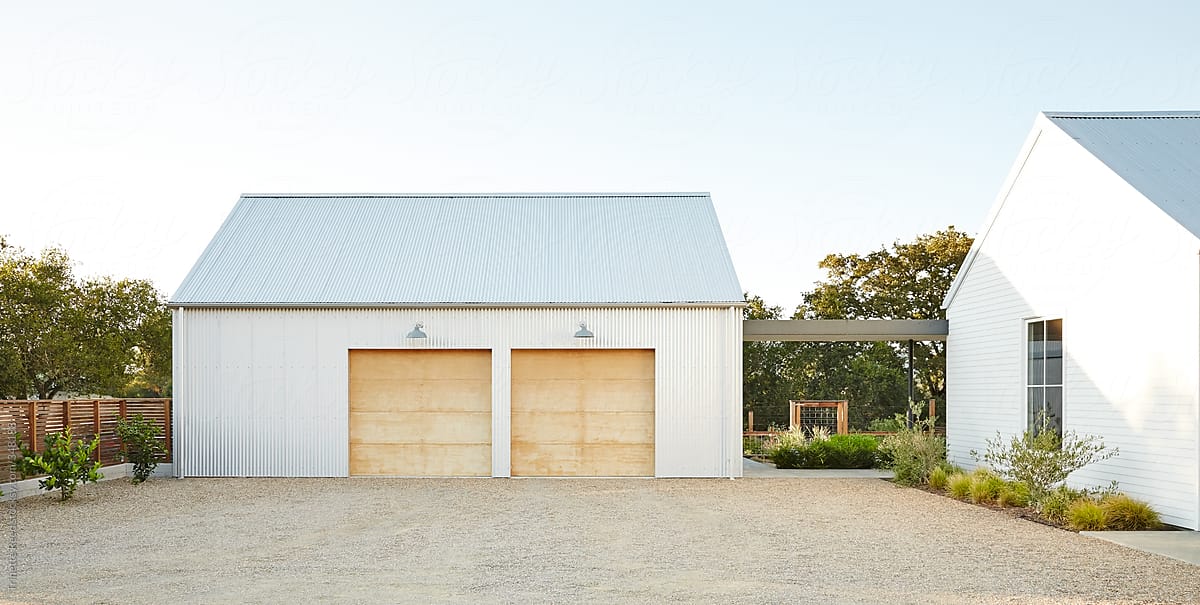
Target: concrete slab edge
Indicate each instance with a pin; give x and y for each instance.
(1179, 545)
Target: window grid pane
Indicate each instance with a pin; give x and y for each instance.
(1037, 402)
(1054, 352)
(1044, 375)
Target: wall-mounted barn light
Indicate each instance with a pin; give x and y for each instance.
(583, 331)
(416, 331)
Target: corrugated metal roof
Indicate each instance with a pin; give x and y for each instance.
(1158, 153)
(449, 249)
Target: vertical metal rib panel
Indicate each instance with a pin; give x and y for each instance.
(264, 392)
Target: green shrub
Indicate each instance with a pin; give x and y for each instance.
(938, 478)
(1014, 493)
(1043, 461)
(849, 451)
(985, 487)
(66, 462)
(820, 450)
(789, 449)
(1127, 514)
(1053, 504)
(140, 445)
(958, 486)
(913, 454)
(1085, 514)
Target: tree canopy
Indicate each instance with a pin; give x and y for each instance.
(63, 335)
(907, 280)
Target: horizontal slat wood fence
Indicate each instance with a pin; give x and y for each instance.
(34, 419)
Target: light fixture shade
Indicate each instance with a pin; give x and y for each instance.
(416, 331)
(583, 332)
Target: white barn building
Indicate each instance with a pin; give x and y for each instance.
(439, 335)
(1081, 298)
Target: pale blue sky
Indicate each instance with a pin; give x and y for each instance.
(127, 131)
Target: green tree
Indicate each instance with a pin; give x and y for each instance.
(766, 382)
(59, 334)
(866, 374)
(906, 281)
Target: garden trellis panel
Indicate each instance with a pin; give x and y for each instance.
(830, 415)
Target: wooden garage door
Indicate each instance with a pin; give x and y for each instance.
(421, 413)
(583, 413)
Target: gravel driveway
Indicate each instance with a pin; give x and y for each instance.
(556, 541)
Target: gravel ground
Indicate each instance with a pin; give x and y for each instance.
(556, 541)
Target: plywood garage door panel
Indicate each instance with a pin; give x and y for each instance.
(583, 413)
(421, 412)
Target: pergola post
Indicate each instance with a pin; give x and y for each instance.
(908, 412)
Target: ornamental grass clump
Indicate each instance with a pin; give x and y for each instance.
(938, 478)
(1013, 494)
(958, 486)
(985, 487)
(1053, 505)
(1128, 514)
(1085, 514)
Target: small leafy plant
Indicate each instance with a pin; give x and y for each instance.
(140, 445)
(1041, 459)
(66, 462)
(1053, 505)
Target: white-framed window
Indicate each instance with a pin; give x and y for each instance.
(1044, 374)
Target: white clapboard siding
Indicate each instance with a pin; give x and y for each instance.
(1073, 240)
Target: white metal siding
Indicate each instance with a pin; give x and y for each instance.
(1074, 240)
(263, 392)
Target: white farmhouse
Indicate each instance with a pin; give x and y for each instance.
(461, 335)
(1081, 299)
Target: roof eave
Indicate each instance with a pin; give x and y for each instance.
(446, 305)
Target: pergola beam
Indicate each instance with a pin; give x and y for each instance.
(844, 330)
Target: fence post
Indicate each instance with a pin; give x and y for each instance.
(66, 414)
(750, 421)
(932, 408)
(33, 426)
(843, 417)
(96, 423)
